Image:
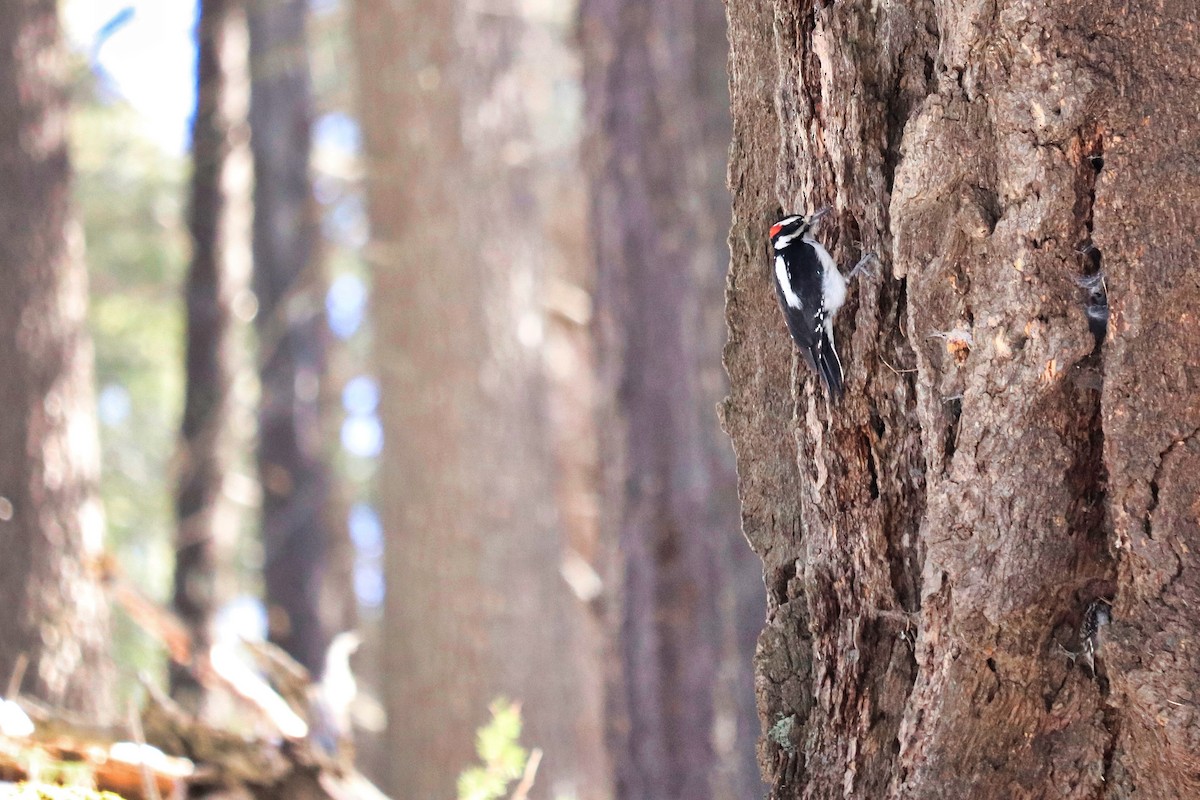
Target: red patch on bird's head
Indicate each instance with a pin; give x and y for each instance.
(778, 226)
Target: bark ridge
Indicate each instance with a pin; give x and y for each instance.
(1002, 462)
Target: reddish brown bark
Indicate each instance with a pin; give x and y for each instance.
(1147, 227)
(932, 545)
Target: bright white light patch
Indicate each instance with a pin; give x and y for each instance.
(346, 304)
(14, 722)
(360, 395)
(366, 530)
(362, 435)
(114, 404)
(150, 58)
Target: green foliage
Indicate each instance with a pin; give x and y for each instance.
(129, 195)
(41, 791)
(502, 756)
(54, 778)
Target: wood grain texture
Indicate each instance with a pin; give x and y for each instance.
(958, 513)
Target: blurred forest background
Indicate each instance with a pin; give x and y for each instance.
(396, 318)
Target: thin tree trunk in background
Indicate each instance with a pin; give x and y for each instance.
(51, 524)
(456, 147)
(935, 545)
(292, 333)
(216, 219)
(689, 590)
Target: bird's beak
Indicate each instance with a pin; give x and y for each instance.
(816, 215)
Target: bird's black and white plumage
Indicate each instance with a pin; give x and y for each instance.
(811, 289)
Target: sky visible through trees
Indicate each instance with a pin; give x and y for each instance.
(452, 337)
(143, 54)
(514, 393)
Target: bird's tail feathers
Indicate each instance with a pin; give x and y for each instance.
(830, 367)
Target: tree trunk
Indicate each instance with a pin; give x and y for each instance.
(51, 525)
(456, 143)
(217, 217)
(935, 544)
(689, 602)
(292, 333)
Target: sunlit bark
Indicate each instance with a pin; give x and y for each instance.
(461, 180)
(53, 614)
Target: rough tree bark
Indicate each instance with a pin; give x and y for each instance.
(50, 520)
(687, 602)
(292, 334)
(933, 545)
(475, 604)
(217, 218)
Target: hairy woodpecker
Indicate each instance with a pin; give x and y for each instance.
(811, 289)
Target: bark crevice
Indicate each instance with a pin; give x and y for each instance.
(1090, 142)
(1155, 483)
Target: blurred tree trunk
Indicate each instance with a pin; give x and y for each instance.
(457, 145)
(933, 545)
(689, 590)
(50, 519)
(217, 219)
(292, 335)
